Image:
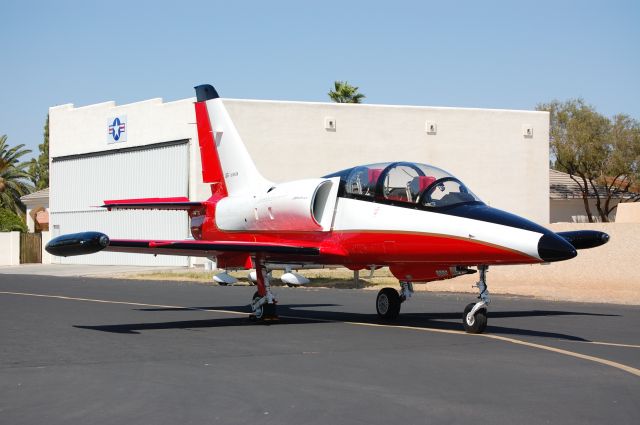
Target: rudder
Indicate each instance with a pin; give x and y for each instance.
(226, 163)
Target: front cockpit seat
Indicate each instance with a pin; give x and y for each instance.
(374, 175)
(417, 185)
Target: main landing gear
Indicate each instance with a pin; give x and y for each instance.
(474, 318)
(389, 300)
(263, 304)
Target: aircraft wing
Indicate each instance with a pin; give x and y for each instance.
(197, 248)
(282, 251)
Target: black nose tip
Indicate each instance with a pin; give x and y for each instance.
(552, 247)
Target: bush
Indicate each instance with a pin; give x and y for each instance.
(10, 222)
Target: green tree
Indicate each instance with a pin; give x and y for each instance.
(14, 178)
(621, 175)
(11, 222)
(599, 154)
(39, 168)
(343, 92)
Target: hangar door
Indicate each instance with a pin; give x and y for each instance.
(79, 183)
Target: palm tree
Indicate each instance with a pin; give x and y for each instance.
(14, 179)
(343, 92)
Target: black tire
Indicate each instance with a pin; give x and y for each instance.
(266, 311)
(222, 284)
(270, 312)
(259, 313)
(476, 324)
(388, 303)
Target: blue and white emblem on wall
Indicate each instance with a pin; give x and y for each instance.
(117, 128)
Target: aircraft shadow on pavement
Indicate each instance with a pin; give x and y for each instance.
(291, 314)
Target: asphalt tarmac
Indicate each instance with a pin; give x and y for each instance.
(101, 351)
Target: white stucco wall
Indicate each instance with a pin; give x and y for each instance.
(628, 213)
(484, 148)
(9, 248)
(29, 220)
(29, 217)
(46, 257)
(85, 129)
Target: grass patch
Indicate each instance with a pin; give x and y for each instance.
(322, 278)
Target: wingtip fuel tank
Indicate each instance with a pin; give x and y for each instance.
(77, 244)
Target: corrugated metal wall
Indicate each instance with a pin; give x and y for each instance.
(78, 184)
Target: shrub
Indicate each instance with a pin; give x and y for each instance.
(10, 222)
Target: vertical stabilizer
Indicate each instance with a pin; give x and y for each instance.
(226, 163)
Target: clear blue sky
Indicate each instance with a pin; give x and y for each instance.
(488, 54)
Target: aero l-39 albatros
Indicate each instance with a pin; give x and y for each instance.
(420, 221)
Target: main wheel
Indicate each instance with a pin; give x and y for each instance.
(477, 323)
(266, 312)
(259, 313)
(388, 303)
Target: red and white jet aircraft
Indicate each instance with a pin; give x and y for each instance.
(420, 221)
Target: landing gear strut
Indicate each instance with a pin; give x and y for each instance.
(474, 318)
(263, 304)
(406, 290)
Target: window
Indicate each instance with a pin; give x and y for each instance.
(404, 184)
(446, 192)
(398, 183)
(362, 181)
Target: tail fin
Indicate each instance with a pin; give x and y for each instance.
(226, 164)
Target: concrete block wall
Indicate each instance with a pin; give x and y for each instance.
(628, 213)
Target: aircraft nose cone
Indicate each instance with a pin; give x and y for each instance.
(552, 247)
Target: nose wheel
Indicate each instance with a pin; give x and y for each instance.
(474, 323)
(474, 317)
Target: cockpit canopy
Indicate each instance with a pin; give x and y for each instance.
(404, 184)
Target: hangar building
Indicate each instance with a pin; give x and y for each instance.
(150, 149)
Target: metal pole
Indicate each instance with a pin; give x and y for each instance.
(356, 278)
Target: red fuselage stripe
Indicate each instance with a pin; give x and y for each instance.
(382, 247)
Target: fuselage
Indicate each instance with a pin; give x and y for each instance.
(423, 244)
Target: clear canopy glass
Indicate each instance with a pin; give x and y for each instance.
(406, 183)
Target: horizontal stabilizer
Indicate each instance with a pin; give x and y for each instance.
(178, 203)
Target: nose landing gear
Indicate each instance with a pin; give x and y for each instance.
(474, 318)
